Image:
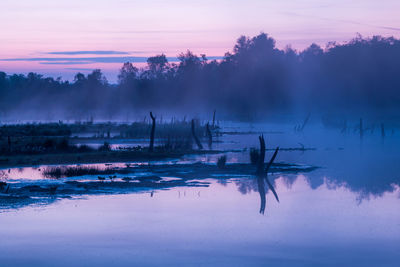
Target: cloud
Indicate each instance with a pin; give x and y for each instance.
(66, 63)
(96, 52)
(80, 69)
(89, 60)
(342, 21)
(79, 60)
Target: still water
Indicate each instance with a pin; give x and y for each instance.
(346, 213)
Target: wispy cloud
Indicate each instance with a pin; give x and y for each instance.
(96, 52)
(80, 69)
(80, 60)
(66, 63)
(343, 21)
(89, 60)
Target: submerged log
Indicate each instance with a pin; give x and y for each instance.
(196, 139)
(153, 129)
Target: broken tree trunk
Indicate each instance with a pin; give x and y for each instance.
(209, 135)
(196, 139)
(260, 174)
(153, 129)
(261, 156)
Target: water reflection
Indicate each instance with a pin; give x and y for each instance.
(174, 174)
(262, 173)
(360, 193)
(332, 216)
(40, 192)
(368, 172)
(309, 227)
(261, 190)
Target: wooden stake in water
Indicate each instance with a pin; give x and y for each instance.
(153, 129)
(209, 134)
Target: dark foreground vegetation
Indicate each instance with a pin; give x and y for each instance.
(59, 143)
(139, 178)
(361, 75)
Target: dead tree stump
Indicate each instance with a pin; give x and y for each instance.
(209, 134)
(153, 129)
(196, 139)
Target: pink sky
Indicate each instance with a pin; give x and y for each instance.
(31, 29)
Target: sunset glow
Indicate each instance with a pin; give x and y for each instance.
(33, 29)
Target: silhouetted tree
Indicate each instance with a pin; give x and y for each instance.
(254, 78)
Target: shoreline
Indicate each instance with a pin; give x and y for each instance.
(14, 161)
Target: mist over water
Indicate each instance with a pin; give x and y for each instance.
(336, 215)
(256, 81)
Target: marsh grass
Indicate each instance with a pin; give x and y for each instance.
(105, 147)
(176, 143)
(63, 171)
(56, 137)
(221, 162)
(35, 145)
(254, 155)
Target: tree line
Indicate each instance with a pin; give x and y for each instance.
(256, 77)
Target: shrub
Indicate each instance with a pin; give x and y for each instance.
(221, 162)
(254, 155)
(105, 147)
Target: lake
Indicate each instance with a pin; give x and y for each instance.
(344, 213)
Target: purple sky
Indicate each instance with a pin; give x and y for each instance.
(60, 38)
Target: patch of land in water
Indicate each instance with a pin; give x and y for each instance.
(42, 145)
(60, 143)
(94, 157)
(64, 182)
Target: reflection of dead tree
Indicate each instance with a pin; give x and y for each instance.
(261, 190)
(262, 174)
(153, 129)
(196, 139)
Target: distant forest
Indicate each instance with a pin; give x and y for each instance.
(256, 78)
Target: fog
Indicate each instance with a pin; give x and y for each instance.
(255, 81)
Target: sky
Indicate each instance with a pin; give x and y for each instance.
(59, 38)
